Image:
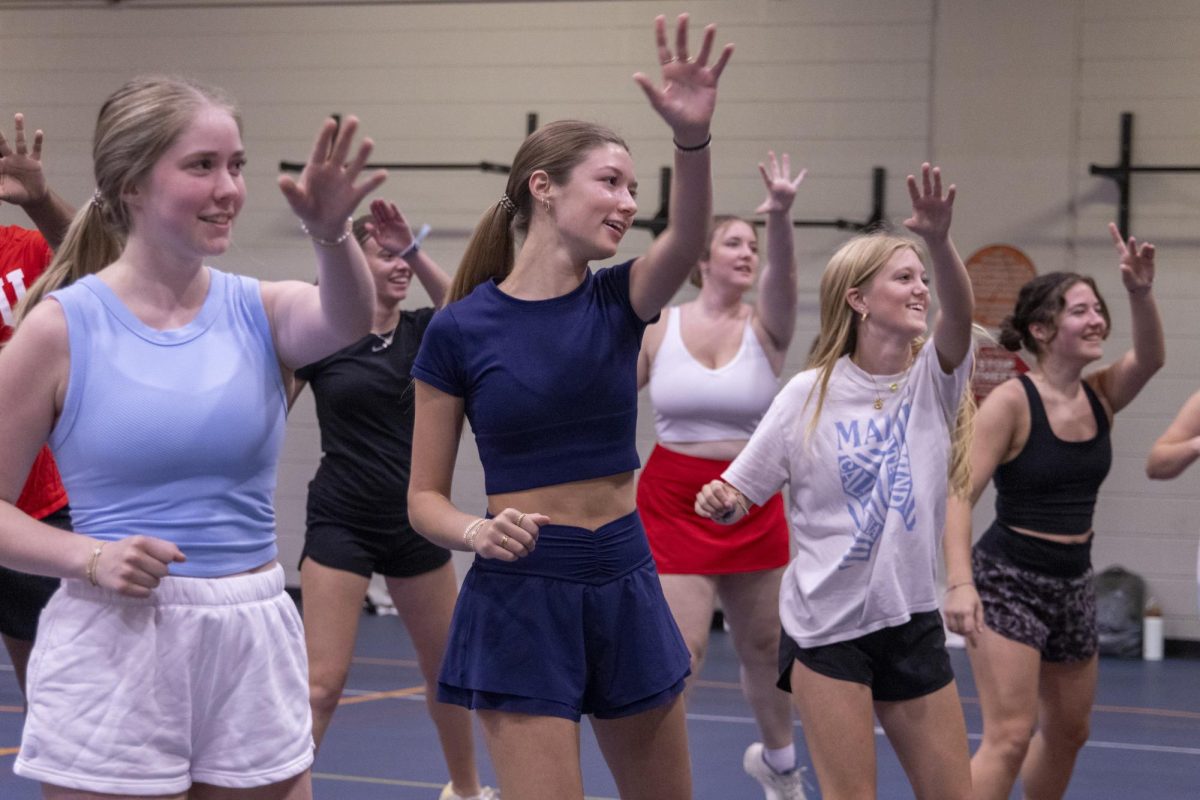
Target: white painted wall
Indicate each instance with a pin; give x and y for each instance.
(1014, 99)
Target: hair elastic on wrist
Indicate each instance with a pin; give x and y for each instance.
(693, 149)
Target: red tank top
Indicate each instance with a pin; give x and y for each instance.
(23, 256)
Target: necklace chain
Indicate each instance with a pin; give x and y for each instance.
(893, 386)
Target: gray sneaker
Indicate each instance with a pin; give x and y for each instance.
(776, 785)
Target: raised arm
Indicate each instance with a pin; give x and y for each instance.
(686, 103)
(1121, 381)
(391, 230)
(1179, 445)
(775, 308)
(931, 213)
(23, 183)
(310, 322)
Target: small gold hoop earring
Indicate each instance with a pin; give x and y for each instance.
(864, 315)
(546, 204)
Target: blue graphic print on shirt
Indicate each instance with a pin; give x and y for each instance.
(873, 462)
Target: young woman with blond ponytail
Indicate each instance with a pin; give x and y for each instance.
(171, 662)
(864, 440)
(561, 614)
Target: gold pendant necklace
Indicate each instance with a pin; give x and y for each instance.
(894, 387)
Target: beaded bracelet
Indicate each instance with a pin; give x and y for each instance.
(330, 242)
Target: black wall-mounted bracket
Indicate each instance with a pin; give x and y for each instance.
(1121, 172)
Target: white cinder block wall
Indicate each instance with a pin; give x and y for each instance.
(1013, 99)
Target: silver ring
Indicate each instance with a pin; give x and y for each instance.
(669, 60)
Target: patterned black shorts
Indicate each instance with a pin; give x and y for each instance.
(1055, 616)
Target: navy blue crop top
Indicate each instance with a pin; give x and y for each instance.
(1051, 485)
(550, 386)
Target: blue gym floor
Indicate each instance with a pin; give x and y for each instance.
(1145, 741)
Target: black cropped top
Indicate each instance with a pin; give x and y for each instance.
(1051, 485)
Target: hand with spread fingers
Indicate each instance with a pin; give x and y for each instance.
(688, 95)
(329, 189)
(389, 227)
(22, 181)
(509, 535)
(931, 208)
(781, 186)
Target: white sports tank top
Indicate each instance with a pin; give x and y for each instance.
(693, 403)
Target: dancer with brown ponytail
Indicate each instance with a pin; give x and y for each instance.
(562, 614)
(1023, 596)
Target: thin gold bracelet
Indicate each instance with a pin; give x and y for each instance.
(93, 562)
(471, 532)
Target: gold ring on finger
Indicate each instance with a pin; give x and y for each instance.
(504, 540)
(521, 519)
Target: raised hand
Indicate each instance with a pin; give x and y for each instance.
(689, 86)
(389, 227)
(22, 181)
(135, 565)
(1137, 262)
(931, 210)
(326, 193)
(781, 186)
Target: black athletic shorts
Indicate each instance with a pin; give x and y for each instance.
(386, 545)
(899, 663)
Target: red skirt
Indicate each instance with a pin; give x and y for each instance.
(685, 543)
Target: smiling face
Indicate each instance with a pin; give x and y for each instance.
(593, 209)
(732, 256)
(1079, 329)
(392, 274)
(897, 298)
(188, 202)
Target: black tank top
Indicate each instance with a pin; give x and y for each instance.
(1051, 485)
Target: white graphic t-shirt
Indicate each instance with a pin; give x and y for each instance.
(866, 491)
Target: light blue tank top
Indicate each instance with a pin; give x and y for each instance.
(174, 434)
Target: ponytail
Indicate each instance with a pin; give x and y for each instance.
(89, 246)
(556, 148)
(490, 253)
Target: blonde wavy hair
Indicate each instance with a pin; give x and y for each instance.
(853, 266)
